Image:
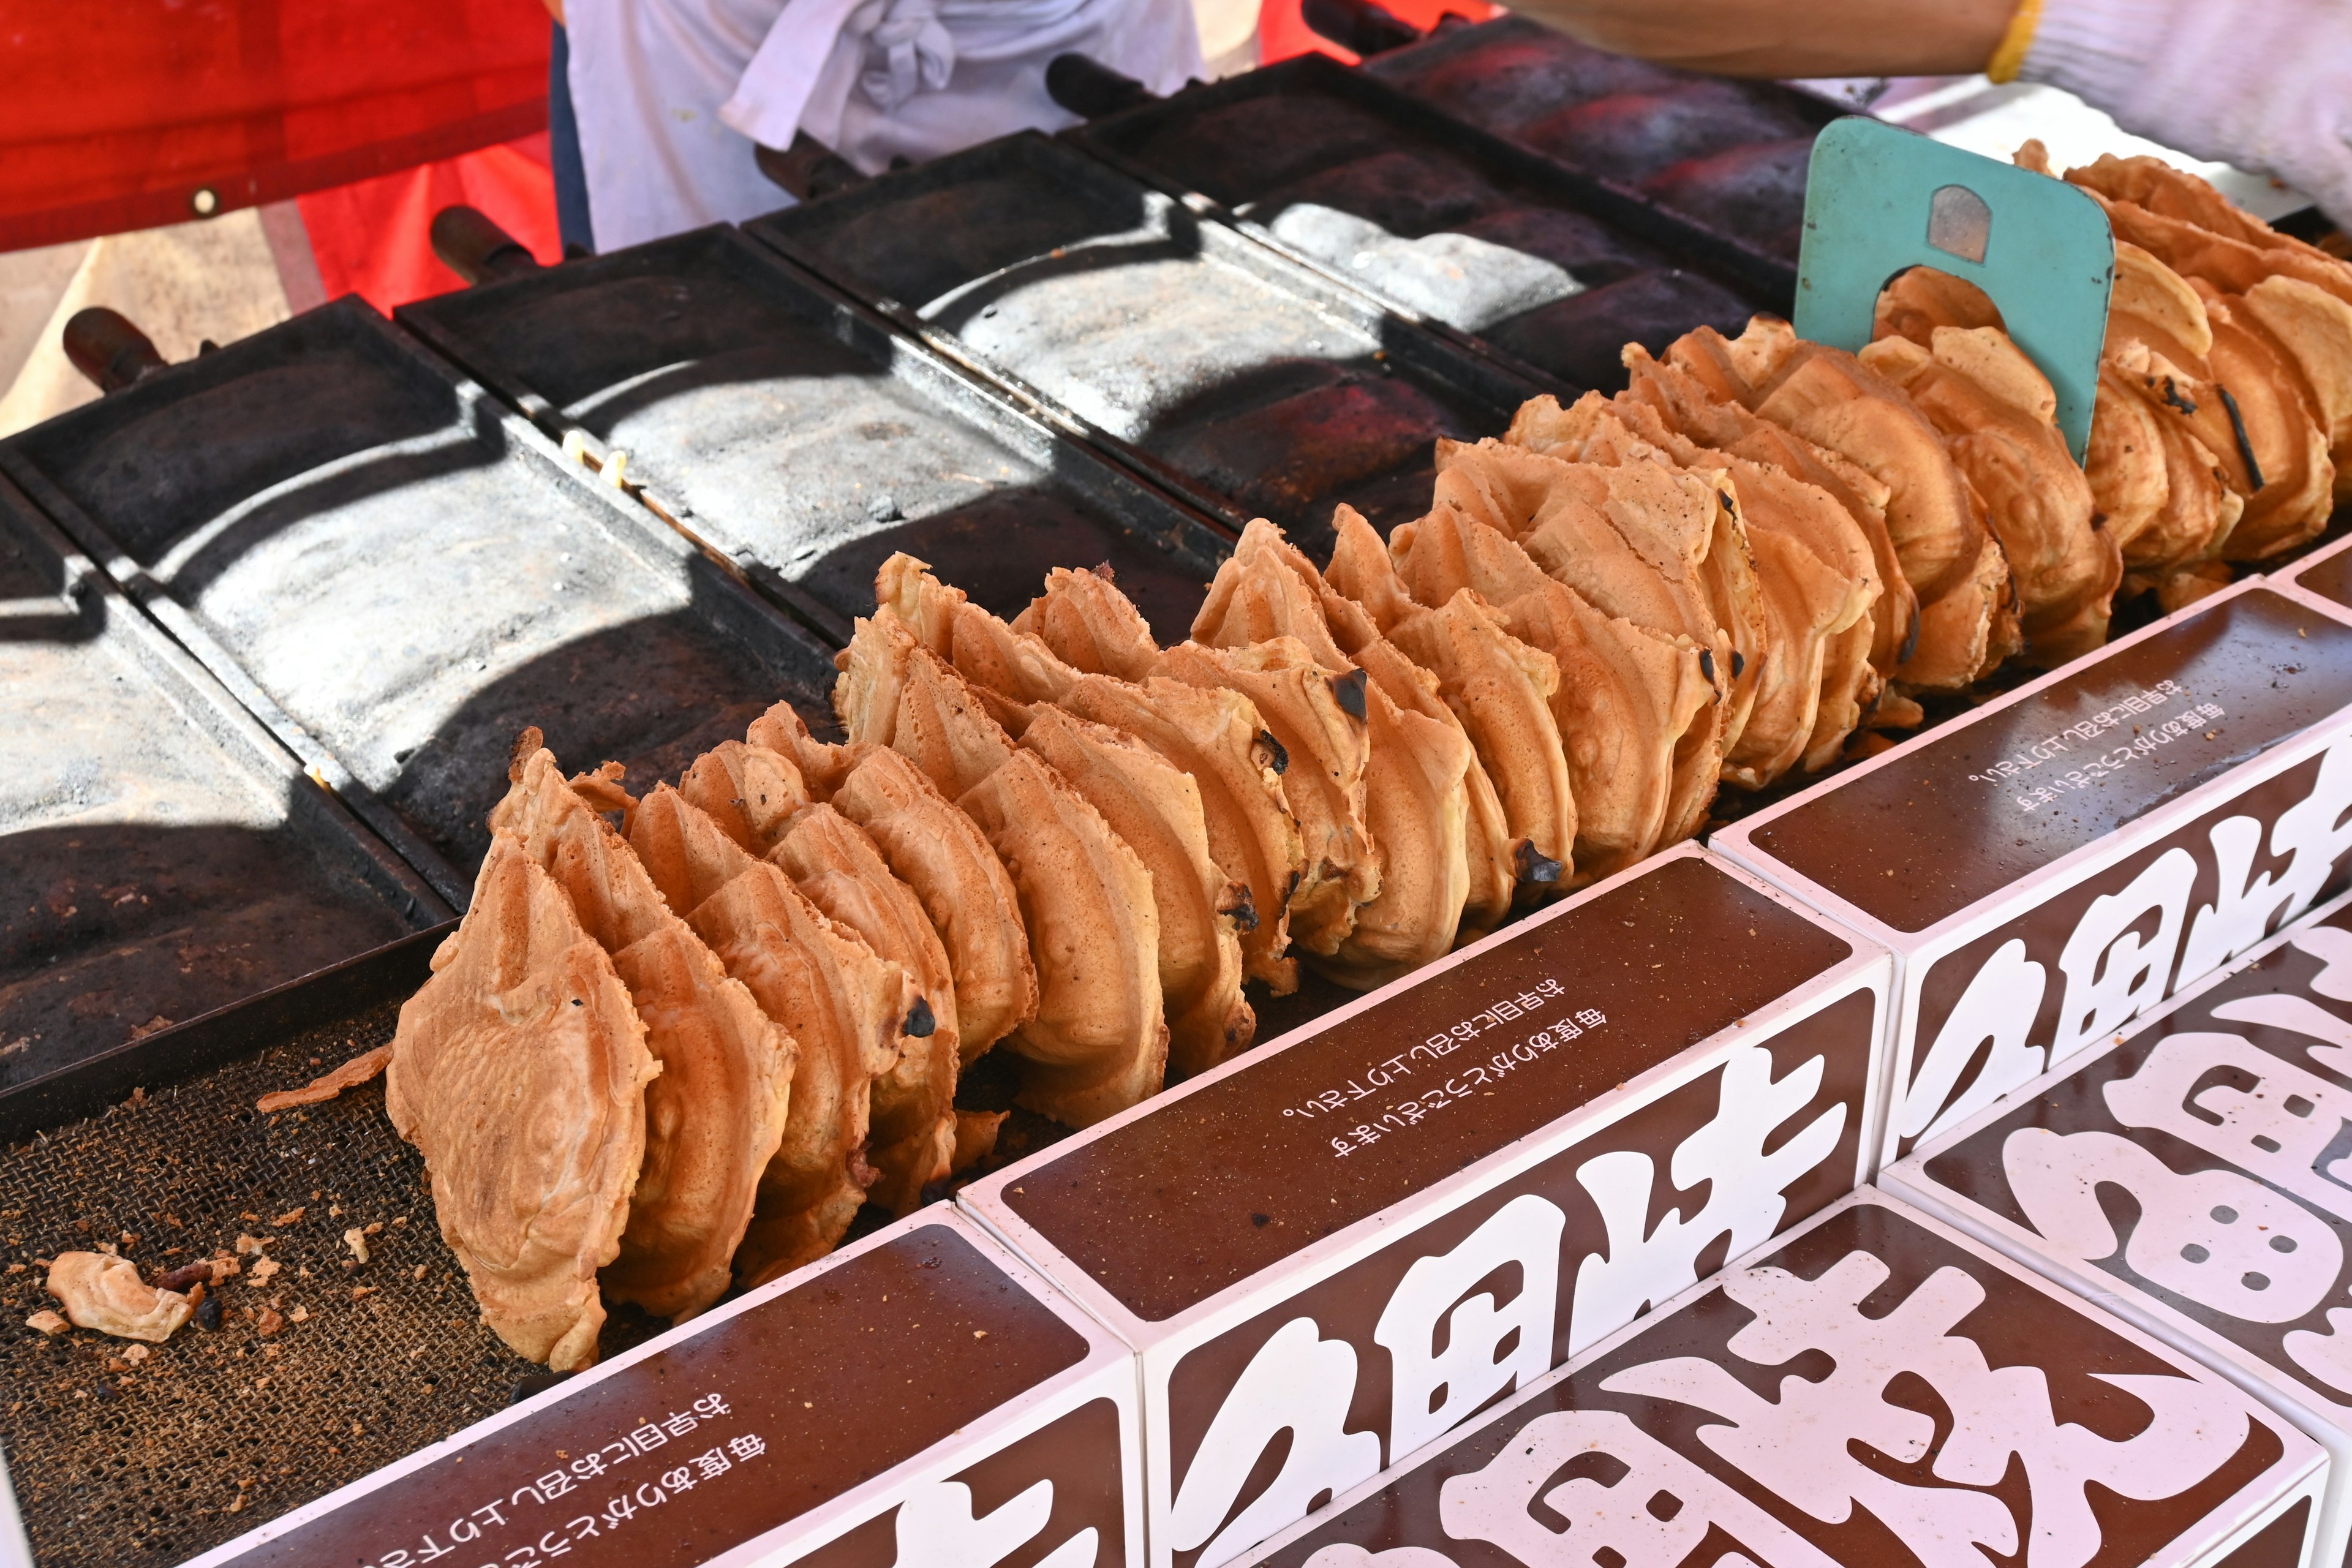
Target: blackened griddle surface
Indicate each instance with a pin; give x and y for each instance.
(1432, 215)
(1238, 375)
(119, 1466)
(1729, 155)
(399, 577)
(159, 856)
(802, 430)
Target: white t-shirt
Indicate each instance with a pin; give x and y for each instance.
(671, 95)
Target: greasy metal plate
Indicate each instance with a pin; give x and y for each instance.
(398, 576)
(159, 855)
(1440, 219)
(1258, 386)
(1731, 155)
(799, 432)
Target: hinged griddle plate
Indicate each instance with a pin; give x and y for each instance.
(1881, 199)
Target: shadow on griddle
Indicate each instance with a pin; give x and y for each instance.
(113, 931)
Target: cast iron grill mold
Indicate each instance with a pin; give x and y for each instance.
(161, 856)
(1730, 156)
(793, 433)
(396, 576)
(1244, 383)
(1551, 268)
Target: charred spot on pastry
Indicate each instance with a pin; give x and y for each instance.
(1738, 663)
(1706, 664)
(1350, 689)
(1910, 643)
(526, 743)
(1240, 908)
(1277, 755)
(920, 1020)
(2245, 447)
(2173, 399)
(1534, 867)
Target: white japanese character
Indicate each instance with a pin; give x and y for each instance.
(1298, 1383)
(750, 1445)
(647, 1437)
(2220, 1239)
(710, 1404)
(937, 1529)
(1654, 1515)
(2278, 1126)
(2112, 974)
(1745, 1188)
(1803, 1446)
(1433, 1389)
(679, 1425)
(1999, 1005)
(712, 1463)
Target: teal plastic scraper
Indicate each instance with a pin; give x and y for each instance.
(1880, 199)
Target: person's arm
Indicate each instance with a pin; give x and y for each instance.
(1791, 37)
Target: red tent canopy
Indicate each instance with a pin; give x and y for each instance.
(124, 114)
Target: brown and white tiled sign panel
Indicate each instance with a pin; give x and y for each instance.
(1337, 1248)
(2195, 1173)
(1874, 1392)
(2325, 575)
(920, 1399)
(2064, 859)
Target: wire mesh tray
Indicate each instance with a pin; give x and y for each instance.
(397, 575)
(161, 856)
(311, 1377)
(1730, 156)
(792, 431)
(1245, 383)
(1553, 268)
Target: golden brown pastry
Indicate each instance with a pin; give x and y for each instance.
(846, 1007)
(1098, 1043)
(1685, 407)
(1947, 554)
(752, 792)
(1155, 809)
(1490, 860)
(911, 1125)
(104, 1292)
(1321, 750)
(1148, 802)
(1997, 415)
(713, 1117)
(1219, 738)
(1085, 899)
(1091, 625)
(1416, 770)
(519, 1071)
(1500, 689)
(2283, 441)
(1625, 695)
(896, 692)
(965, 891)
(1818, 581)
(1632, 542)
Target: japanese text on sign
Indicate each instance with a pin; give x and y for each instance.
(1399, 1115)
(1496, 1015)
(587, 1475)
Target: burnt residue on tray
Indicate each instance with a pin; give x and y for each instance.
(1436, 217)
(320, 1373)
(799, 433)
(159, 857)
(1216, 365)
(1730, 155)
(399, 578)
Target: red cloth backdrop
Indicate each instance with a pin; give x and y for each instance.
(1281, 34)
(372, 239)
(119, 112)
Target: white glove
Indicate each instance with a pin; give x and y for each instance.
(2265, 85)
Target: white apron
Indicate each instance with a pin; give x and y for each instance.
(671, 95)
